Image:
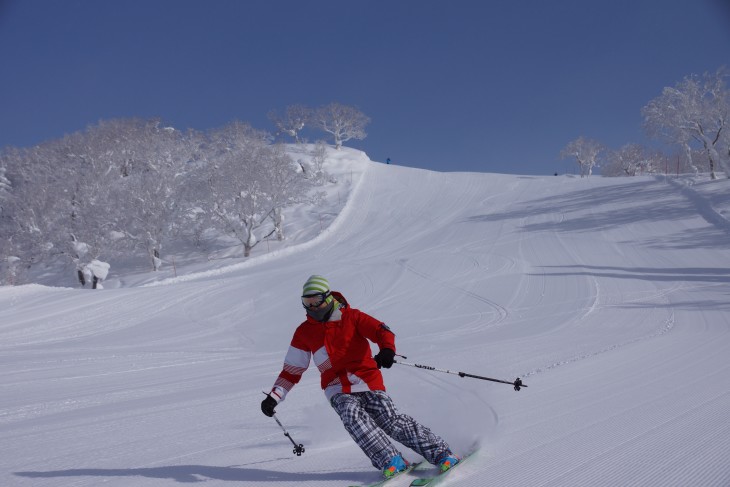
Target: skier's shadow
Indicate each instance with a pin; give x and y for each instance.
(203, 473)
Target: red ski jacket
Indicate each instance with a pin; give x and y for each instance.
(341, 352)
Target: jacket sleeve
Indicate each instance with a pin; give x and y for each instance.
(296, 363)
(376, 331)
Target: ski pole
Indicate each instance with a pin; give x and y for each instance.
(298, 449)
(517, 382)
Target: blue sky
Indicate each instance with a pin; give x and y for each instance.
(488, 86)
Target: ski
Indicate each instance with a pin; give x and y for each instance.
(438, 476)
(410, 467)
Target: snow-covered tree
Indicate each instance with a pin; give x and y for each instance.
(8, 259)
(586, 152)
(124, 186)
(284, 185)
(31, 223)
(314, 170)
(343, 122)
(5, 196)
(292, 122)
(194, 190)
(5, 188)
(91, 213)
(238, 201)
(152, 188)
(724, 150)
(693, 112)
(134, 165)
(630, 160)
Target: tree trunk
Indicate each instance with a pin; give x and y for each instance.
(688, 151)
(156, 261)
(279, 224)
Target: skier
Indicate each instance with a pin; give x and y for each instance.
(337, 335)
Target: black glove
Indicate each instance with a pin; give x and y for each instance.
(384, 358)
(268, 405)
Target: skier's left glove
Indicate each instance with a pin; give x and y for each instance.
(384, 358)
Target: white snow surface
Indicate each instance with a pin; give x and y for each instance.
(610, 298)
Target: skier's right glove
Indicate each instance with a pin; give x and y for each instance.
(268, 405)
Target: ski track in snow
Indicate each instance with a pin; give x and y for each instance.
(609, 297)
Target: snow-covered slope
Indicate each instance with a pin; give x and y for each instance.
(609, 297)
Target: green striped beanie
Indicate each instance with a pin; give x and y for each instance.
(315, 285)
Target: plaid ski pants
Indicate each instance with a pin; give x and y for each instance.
(371, 417)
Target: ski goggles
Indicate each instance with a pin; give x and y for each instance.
(314, 300)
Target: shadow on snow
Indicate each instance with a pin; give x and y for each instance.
(652, 203)
(710, 275)
(202, 473)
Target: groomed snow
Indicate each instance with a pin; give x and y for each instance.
(609, 297)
